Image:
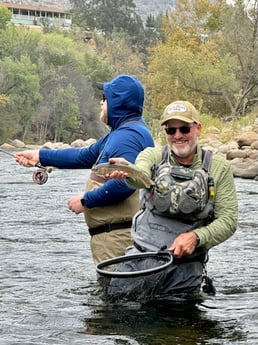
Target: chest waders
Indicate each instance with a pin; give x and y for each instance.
(152, 231)
(154, 227)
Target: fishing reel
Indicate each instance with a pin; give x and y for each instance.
(40, 176)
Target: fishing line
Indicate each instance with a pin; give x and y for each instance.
(40, 175)
(162, 258)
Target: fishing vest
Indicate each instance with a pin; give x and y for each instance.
(162, 216)
(181, 192)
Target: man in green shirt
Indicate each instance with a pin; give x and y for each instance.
(191, 208)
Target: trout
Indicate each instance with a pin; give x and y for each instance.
(107, 168)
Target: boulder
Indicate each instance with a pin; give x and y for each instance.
(17, 143)
(230, 146)
(246, 139)
(254, 145)
(90, 142)
(245, 169)
(236, 154)
(57, 145)
(83, 143)
(210, 142)
(7, 147)
(78, 143)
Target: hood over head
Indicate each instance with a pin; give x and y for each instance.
(125, 98)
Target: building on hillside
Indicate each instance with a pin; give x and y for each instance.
(38, 16)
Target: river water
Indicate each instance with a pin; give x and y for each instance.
(49, 294)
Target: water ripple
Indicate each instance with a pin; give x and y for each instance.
(49, 294)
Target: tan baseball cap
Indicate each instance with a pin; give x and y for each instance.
(180, 110)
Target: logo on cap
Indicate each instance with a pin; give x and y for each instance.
(176, 107)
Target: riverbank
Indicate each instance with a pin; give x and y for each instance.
(241, 151)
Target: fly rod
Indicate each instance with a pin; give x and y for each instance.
(40, 175)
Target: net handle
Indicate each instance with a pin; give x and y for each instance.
(100, 268)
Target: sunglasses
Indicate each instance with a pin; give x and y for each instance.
(103, 97)
(182, 129)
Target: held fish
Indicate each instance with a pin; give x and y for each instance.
(107, 168)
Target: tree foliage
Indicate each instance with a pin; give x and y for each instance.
(5, 17)
(203, 51)
(20, 82)
(241, 41)
(108, 16)
(201, 60)
(42, 92)
(18, 41)
(119, 53)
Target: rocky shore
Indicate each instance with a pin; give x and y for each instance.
(242, 151)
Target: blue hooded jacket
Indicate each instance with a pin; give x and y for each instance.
(129, 135)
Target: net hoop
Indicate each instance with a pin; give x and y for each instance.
(100, 268)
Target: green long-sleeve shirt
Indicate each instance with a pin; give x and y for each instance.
(224, 201)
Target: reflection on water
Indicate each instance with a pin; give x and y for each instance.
(49, 293)
(171, 324)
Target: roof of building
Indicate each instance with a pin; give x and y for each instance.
(33, 8)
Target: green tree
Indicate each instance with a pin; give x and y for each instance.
(241, 40)
(153, 30)
(5, 17)
(108, 16)
(20, 82)
(65, 114)
(120, 55)
(36, 71)
(63, 62)
(18, 41)
(199, 60)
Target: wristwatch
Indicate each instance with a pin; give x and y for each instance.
(83, 203)
(198, 240)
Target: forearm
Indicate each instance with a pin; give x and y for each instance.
(112, 192)
(68, 158)
(225, 211)
(218, 231)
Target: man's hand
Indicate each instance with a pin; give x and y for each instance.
(75, 205)
(117, 174)
(27, 158)
(118, 160)
(184, 244)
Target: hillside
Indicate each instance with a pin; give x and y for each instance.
(144, 7)
(154, 7)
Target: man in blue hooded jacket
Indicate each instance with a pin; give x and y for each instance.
(109, 205)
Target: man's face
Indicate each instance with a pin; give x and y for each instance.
(182, 140)
(103, 113)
